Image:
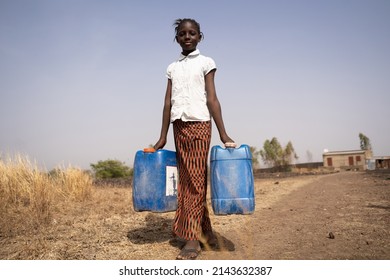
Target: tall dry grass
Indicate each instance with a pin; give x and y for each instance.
(28, 194)
(72, 183)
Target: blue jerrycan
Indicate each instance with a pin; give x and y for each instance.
(155, 180)
(232, 182)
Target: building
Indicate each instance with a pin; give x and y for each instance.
(347, 160)
(382, 162)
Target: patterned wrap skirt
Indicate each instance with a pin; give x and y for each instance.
(192, 141)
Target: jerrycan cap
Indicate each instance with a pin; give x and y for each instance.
(149, 150)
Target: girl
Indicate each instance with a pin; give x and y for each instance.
(190, 103)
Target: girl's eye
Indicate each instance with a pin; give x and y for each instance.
(191, 33)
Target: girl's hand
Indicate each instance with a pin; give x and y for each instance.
(160, 144)
(226, 139)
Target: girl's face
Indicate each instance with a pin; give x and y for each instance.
(188, 37)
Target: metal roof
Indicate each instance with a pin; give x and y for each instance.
(344, 152)
(381, 157)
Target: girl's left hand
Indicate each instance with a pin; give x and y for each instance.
(160, 144)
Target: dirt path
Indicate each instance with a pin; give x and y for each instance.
(351, 207)
(292, 220)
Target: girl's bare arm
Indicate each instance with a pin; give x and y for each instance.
(165, 118)
(215, 107)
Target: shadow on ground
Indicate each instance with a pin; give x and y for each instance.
(158, 230)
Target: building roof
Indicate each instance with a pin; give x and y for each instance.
(381, 157)
(344, 152)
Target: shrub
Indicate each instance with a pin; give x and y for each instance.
(111, 169)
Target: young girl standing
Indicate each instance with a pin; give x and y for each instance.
(190, 104)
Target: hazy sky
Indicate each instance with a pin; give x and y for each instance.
(83, 81)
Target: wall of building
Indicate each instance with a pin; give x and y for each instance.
(345, 161)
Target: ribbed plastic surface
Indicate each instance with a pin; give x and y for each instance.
(155, 181)
(232, 183)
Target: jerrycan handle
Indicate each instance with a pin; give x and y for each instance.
(230, 145)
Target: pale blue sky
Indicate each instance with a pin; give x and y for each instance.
(83, 80)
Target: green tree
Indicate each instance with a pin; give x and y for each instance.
(255, 155)
(272, 152)
(289, 154)
(365, 143)
(111, 169)
(274, 155)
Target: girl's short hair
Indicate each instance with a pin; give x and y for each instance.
(180, 21)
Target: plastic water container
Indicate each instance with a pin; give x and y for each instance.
(232, 182)
(155, 181)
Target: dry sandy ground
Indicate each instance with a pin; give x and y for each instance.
(335, 216)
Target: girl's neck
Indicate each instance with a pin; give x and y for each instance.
(187, 52)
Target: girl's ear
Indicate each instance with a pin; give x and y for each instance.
(200, 36)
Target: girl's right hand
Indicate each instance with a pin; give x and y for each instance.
(226, 139)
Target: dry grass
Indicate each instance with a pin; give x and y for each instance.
(27, 194)
(72, 183)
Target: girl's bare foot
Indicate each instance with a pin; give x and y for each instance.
(190, 251)
(210, 240)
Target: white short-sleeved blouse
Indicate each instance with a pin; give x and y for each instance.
(188, 96)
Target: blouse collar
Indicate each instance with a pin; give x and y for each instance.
(193, 54)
